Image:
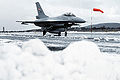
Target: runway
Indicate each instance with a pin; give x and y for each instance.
(107, 41)
(80, 55)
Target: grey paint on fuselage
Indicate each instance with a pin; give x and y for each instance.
(54, 24)
(72, 21)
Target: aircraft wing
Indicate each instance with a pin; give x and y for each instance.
(44, 22)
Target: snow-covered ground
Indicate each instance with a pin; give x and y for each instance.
(86, 57)
(107, 41)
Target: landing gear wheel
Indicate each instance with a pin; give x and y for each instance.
(65, 33)
(59, 34)
(44, 32)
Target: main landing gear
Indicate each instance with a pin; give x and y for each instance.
(59, 34)
(44, 32)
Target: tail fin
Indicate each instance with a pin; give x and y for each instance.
(41, 14)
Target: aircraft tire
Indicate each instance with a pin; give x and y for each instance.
(65, 33)
(44, 32)
(59, 34)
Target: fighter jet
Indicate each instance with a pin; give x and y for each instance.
(54, 24)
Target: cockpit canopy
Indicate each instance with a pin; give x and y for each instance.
(69, 14)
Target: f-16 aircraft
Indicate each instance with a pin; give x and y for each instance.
(54, 24)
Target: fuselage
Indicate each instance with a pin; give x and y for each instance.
(59, 27)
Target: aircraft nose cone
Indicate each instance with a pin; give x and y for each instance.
(83, 21)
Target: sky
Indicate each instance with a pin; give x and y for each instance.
(12, 11)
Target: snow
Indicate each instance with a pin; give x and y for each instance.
(81, 60)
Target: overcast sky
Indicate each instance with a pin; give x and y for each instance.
(13, 10)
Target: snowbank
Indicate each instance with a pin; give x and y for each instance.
(79, 61)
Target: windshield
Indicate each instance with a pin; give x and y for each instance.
(69, 14)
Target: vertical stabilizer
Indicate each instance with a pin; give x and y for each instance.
(41, 14)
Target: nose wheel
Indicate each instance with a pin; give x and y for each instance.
(65, 31)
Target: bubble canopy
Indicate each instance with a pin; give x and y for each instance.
(69, 14)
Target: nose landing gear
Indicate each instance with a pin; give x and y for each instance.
(65, 31)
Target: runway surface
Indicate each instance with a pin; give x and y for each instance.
(79, 56)
(107, 41)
